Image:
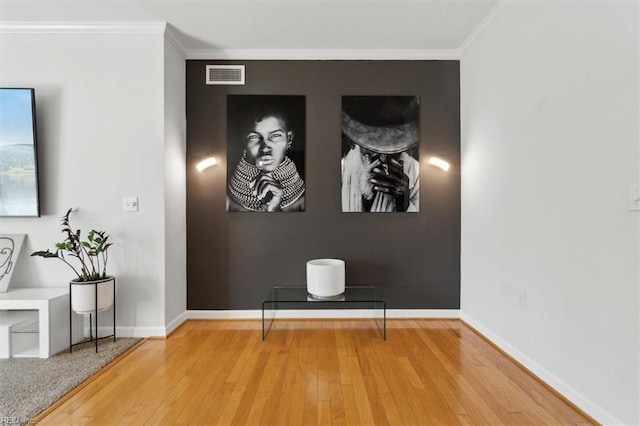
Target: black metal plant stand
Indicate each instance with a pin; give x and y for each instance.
(91, 337)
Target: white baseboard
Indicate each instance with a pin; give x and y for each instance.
(148, 331)
(424, 313)
(325, 313)
(130, 331)
(550, 379)
(225, 314)
(175, 323)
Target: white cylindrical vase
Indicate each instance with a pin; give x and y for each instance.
(325, 278)
(83, 295)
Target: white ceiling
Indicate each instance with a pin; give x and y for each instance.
(277, 25)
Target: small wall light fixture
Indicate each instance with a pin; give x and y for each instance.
(206, 163)
(439, 162)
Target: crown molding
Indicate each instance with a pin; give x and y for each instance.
(95, 28)
(482, 27)
(322, 54)
(174, 38)
(83, 27)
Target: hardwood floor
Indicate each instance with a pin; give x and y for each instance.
(325, 372)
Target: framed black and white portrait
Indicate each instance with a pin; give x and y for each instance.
(380, 163)
(265, 153)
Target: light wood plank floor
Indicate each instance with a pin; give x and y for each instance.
(336, 372)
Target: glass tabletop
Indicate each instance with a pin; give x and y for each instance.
(297, 297)
(300, 294)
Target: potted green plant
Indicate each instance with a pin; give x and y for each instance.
(90, 257)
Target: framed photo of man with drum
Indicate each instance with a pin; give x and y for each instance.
(380, 163)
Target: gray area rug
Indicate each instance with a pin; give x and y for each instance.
(29, 385)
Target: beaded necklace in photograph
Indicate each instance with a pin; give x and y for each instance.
(245, 173)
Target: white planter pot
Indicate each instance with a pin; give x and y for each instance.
(325, 278)
(83, 295)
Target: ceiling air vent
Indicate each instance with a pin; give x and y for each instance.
(225, 74)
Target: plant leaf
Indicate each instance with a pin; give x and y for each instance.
(44, 254)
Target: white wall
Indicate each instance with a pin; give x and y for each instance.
(550, 143)
(175, 125)
(100, 110)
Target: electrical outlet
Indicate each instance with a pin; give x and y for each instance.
(521, 298)
(634, 197)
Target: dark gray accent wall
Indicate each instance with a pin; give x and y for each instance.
(234, 258)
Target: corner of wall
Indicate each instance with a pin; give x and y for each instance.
(482, 27)
(172, 35)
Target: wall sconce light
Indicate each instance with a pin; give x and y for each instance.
(439, 162)
(206, 163)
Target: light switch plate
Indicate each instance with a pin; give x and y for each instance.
(130, 204)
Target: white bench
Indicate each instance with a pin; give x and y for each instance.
(10, 322)
(52, 307)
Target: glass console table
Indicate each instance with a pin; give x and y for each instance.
(354, 297)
